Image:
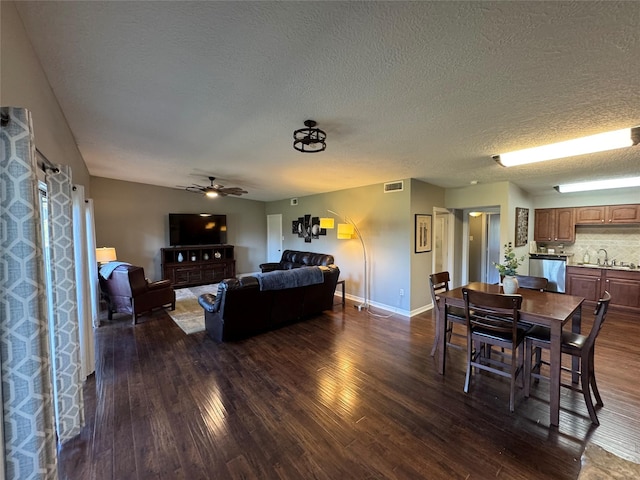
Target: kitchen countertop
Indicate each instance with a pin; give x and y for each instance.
(538, 254)
(602, 267)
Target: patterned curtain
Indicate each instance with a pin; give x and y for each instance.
(66, 337)
(28, 419)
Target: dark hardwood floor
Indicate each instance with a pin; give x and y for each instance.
(342, 396)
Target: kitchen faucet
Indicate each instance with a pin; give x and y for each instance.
(606, 256)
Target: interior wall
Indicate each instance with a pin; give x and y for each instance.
(504, 195)
(587, 199)
(134, 218)
(385, 222)
(24, 84)
(424, 198)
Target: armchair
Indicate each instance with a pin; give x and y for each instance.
(126, 290)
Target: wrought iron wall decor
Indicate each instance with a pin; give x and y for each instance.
(307, 227)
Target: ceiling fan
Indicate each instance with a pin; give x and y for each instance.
(215, 190)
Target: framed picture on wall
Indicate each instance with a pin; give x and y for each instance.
(423, 233)
(522, 226)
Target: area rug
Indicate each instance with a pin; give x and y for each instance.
(189, 315)
(599, 464)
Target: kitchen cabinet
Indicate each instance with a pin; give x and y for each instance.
(591, 283)
(607, 214)
(554, 225)
(584, 282)
(624, 286)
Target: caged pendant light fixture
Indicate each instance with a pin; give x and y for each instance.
(309, 139)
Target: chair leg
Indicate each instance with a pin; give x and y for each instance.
(514, 373)
(585, 379)
(435, 345)
(527, 367)
(469, 358)
(437, 338)
(592, 381)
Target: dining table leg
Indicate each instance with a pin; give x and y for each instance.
(555, 364)
(441, 336)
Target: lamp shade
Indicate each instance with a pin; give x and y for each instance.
(106, 254)
(345, 231)
(326, 222)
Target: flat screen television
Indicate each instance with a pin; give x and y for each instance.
(197, 229)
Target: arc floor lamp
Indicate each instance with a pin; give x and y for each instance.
(346, 231)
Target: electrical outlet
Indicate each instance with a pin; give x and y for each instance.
(402, 292)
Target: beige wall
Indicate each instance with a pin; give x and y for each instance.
(24, 84)
(386, 221)
(587, 199)
(504, 195)
(134, 218)
(424, 198)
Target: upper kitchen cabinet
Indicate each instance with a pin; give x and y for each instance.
(608, 214)
(554, 225)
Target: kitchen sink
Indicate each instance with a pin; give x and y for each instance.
(595, 265)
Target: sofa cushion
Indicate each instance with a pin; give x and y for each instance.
(281, 279)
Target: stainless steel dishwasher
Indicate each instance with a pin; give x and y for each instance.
(551, 267)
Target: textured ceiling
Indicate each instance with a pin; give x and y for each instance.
(167, 93)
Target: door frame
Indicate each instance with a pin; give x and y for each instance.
(274, 237)
(450, 267)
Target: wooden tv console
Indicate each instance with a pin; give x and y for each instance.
(197, 265)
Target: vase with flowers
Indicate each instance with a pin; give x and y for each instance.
(508, 269)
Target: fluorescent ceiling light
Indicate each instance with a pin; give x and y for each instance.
(579, 146)
(599, 185)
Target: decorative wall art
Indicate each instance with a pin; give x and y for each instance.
(307, 227)
(423, 233)
(522, 226)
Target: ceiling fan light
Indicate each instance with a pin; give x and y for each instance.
(211, 194)
(599, 185)
(570, 148)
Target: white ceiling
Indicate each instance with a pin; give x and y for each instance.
(167, 93)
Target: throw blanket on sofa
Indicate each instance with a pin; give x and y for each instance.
(298, 277)
(107, 269)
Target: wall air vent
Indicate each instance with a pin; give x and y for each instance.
(392, 187)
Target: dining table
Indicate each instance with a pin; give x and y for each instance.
(549, 309)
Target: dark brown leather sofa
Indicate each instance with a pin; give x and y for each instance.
(296, 259)
(126, 290)
(244, 307)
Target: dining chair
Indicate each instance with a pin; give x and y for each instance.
(574, 344)
(492, 320)
(532, 283)
(438, 283)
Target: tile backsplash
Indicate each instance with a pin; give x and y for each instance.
(622, 243)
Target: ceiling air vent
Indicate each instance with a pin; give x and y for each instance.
(394, 187)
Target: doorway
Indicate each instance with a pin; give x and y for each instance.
(274, 237)
(443, 242)
(482, 247)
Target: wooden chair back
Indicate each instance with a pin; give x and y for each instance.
(438, 283)
(492, 312)
(532, 283)
(600, 315)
